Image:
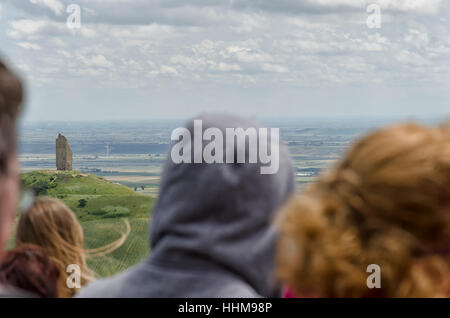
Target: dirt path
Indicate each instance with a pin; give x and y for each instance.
(108, 248)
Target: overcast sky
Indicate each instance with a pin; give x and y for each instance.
(143, 59)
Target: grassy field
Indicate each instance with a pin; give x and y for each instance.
(134, 249)
(115, 219)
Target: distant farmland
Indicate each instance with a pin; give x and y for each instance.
(96, 148)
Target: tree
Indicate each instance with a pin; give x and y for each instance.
(82, 203)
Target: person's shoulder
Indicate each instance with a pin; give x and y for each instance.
(236, 290)
(101, 288)
(8, 292)
(110, 287)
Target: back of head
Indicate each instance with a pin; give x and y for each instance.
(219, 214)
(386, 203)
(29, 269)
(11, 94)
(51, 225)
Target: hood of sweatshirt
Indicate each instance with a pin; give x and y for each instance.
(219, 216)
(212, 232)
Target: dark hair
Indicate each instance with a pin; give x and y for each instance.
(11, 97)
(28, 268)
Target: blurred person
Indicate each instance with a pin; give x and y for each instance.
(387, 202)
(211, 230)
(28, 268)
(11, 96)
(52, 226)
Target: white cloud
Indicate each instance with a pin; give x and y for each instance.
(29, 46)
(183, 60)
(25, 27)
(247, 55)
(225, 67)
(411, 58)
(269, 67)
(65, 54)
(41, 28)
(165, 69)
(420, 6)
(417, 38)
(302, 44)
(55, 5)
(95, 61)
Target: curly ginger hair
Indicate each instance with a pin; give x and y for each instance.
(386, 203)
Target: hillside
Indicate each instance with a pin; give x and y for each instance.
(106, 210)
(89, 196)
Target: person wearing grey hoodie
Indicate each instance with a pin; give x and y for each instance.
(211, 229)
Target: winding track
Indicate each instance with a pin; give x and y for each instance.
(108, 248)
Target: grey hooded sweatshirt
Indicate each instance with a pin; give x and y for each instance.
(212, 232)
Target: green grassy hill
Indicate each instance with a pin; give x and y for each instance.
(103, 209)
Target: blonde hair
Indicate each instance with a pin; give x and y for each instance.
(51, 225)
(387, 203)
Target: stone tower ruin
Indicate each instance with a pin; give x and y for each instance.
(63, 154)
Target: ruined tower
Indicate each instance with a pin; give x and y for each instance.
(63, 154)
